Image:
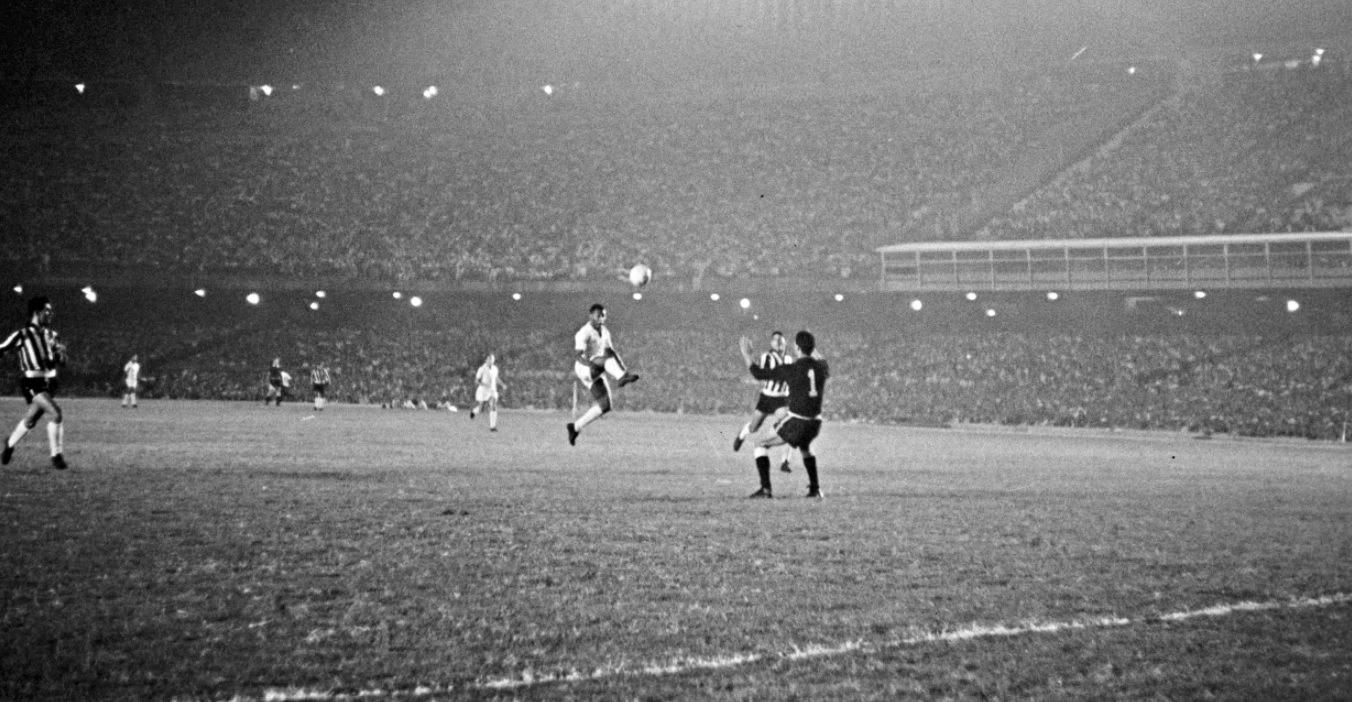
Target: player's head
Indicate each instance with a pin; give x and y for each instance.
(805, 342)
(37, 303)
(777, 341)
(276, 362)
(597, 313)
(488, 361)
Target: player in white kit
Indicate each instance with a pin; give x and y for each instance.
(594, 363)
(486, 386)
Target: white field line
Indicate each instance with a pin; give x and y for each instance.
(676, 666)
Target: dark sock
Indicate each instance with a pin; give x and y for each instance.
(810, 464)
(763, 467)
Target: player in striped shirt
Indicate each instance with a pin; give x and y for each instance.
(595, 359)
(806, 378)
(774, 395)
(40, 354)
(319, 382)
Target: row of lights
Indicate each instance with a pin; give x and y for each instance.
(431, 91)
(917, 305)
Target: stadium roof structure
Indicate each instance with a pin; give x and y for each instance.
(1302, 260)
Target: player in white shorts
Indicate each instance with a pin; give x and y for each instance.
(486, 386)
(131, 378)
(595, 362)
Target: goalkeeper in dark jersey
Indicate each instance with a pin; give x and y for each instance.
(806, 378)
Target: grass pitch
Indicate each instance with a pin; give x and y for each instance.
(218, 551)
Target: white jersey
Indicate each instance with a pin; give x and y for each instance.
(133, 373)
(594, 342)
(486, 382)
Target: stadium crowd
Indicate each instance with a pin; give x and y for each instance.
(1267, 151)
(574, 188)
(569, 187)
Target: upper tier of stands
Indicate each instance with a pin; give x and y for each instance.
(758, 181)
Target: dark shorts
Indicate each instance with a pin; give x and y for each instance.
(32, 387)
(321, 388)
(798, 432)
(600, 389)
(767, 404)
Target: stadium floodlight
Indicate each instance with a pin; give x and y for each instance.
(89, 293)
(1292, 306)
(398, 295)
(379, 91)
(252, 298)
(990, 311)
(638, 296)
(430, 92)
(1257, 57)
(549, 89)
(1131, 70)
(840, 298)
(267, 90)
(1053, 295)
(917, 305)
(18, 289)
(714, 296)
(314, 305)
(415, 301)
(745, 303)
(80, 88)
(971, 296)
(1200, 294)
(200, 292)
(516, 296)
(321, 294)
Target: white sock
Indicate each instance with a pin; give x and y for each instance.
(54, 437)
(746, 430)
(18, 434)
(492, 419)
(588, 417)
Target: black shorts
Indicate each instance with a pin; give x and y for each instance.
(321, 388)
(798, 432)
(600, 389)
(769, 404)
(32, 387)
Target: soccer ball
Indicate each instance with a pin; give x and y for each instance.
(640, 274)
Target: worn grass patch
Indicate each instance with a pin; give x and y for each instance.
(226, 550)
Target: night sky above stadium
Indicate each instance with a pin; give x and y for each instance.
(257, 40)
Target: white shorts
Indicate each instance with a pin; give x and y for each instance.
(484, 394)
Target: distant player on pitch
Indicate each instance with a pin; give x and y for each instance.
(40, 354)
(774, 395)
(486, 386)
(319, 382)
(278, 381)
(595, 359)
(806, 378)
(131, 377)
